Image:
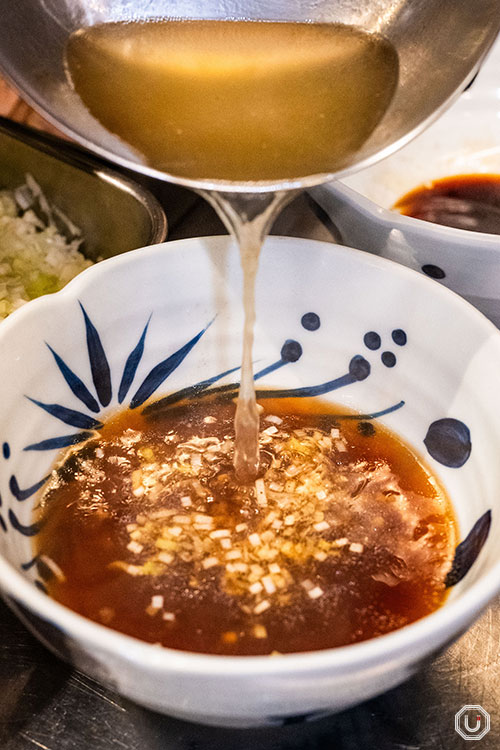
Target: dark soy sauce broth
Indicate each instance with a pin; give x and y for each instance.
(343, 536)
(469, 202)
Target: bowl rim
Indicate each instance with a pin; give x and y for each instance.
(373, 213)
(415, 640)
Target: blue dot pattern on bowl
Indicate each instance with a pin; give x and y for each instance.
(388, 359)
(372, 340)
(433, 271)
(399, 337)
(310, 321)
(447, 440)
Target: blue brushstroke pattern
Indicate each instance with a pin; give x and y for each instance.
(101, 374)
(20, 494)
(161, 371)
(131, 365)
(28, 565)
(231, 388)
(269, 369)
(307, 391)
(3, 525)
(468, 550)
(60, 442)
(76, 385)
(260, 374)
(359, 369)
(30, 530)
(189, 392)
(68, 416)
(41, 586)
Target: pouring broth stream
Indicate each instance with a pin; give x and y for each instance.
(237, 101)
(301, 528)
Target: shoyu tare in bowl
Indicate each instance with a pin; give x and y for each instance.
(463, 141)
(164, 323)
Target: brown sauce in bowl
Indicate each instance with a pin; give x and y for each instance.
(344, 536)
(469, 202)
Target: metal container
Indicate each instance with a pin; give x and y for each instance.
(440, 44)
(113, 212)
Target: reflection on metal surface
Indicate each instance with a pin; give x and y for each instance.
(36, 30)
(47, 705)
(114, 213)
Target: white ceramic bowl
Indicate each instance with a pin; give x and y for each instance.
(68, 352)
(465, 140)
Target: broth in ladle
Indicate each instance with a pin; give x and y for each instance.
(235, 100)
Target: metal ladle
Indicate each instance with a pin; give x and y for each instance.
(440, 44)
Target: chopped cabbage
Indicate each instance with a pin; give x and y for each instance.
(35, 258)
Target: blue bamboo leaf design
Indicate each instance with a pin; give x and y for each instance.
(131, 365)
(359, 369)
(468, 550)
(20, 494)
(228, 387)
(59, 442)
(189, 392)
(161, 371)
(30, 530)
(30, 564)
(101, 374)
(68, 416)
(76, 385)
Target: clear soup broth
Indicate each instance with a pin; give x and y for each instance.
(235, 100)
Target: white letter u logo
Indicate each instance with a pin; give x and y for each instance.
(473, 729)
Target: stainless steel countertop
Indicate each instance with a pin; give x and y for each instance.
(46, 704)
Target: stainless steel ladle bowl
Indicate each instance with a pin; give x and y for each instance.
(440, 44)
